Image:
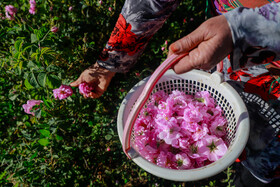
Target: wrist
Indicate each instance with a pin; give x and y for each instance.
(103, 70)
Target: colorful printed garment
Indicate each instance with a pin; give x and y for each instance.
(256, 38)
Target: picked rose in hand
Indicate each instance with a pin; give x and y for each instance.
(85, 88)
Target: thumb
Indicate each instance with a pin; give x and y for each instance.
(76, 83)
(187, 43)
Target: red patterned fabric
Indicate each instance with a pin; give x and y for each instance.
(236, 75)
(122, 39)
(261, 85)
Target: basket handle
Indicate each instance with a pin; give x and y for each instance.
(144, 96)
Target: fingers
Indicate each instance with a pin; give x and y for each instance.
(184, 65)
(96, 93)
(76, 83)
(187, 43)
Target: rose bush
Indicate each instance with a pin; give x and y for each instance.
(45, 44)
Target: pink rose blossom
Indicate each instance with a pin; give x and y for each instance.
(192, 114)
(183, 161)
(165, 42)
(100, 2)
(163, 48)
(85, 88)
(62, 92)
(54, 29)
(110, 9)
(70, 8)
(10, 11)
(180, 131)
(32, 9)
(218, 127)
(206, 98)
(184, 143)
(194, 151)
(214, 148)
(200, 132)
(108, 149)
(170, 131)
(30, 106)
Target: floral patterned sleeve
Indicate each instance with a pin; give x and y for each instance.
(256, 35)
(138, 22)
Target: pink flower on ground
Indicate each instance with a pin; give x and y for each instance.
(214, 148)
(54, 29)
(70, 8)
(10, 12)
(32, 9)
(62, 92)
(85, 88)
(29, 106)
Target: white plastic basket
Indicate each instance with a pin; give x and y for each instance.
(226, 97)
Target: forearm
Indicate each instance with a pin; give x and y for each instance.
(138, 22)
(256, 35)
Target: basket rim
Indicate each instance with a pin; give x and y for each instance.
(241, 137)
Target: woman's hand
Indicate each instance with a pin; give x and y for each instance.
(207, 45)
(97, 76)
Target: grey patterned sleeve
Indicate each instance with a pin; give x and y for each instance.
(138, 22)
(256, 35)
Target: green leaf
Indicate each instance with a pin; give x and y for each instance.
(59, 137)
(13, 97)
(45, 133)
(44, 142)
(53, 68)
(39, 34)
(38, 113)
(56, 18)
(18, 44)
(34, 155)
(2, 175)
(34, 38)
(27, 84)
(53, 81)
(108, 137)
(42, 78)
(32, 80)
